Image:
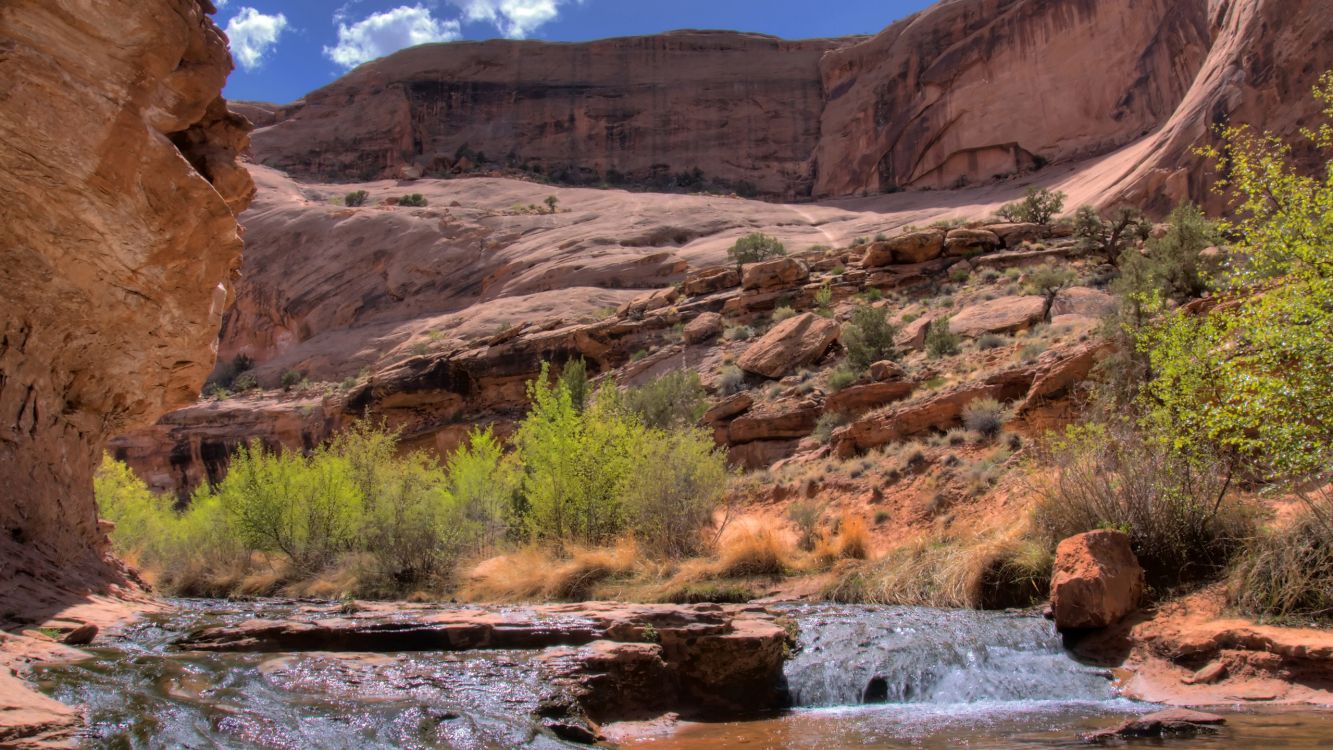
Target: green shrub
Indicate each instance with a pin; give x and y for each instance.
(828, 422)
(1172, 269)
(990, 341)
(356, 198)
(782, 313)
(1047, 281)
(841, 377)
(940, 341)
(1039, 206)
(574, 378)
(1286, 573)
(673, 400)
(413, 200)
(291, 379)
(1182, 521)
(872, 294)
(245, 382)
(1113, 235)
(824, 299)
(756, 247)
(807, 516)
(868, 336)
(675, 487)
(738, 333)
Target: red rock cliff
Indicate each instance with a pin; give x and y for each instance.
(117, 250)
(740, 107)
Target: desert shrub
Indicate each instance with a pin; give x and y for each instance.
(841, 377)
(992, 341)
(752, 550)
(291, 379)
(1030, 352)
(731, 380)
(413, 200)
(246, 381)
(1112, 235)
(1287, 572)
(868, 336)
(1047, 281)
(783, 313)
(959, 275)
(738, 333)
(872, 294)
(1182, 521)
(574, 378)
(807, 516)
(850, 541)
(828, 422)
(985, 416)
(756, 247)
(673, 400)
(356, 198)
(940, 341)
(1039, 206)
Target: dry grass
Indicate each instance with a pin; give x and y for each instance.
(945, 571)
(1286, 575)
(752, 549)
(538, 573)
(850, 541)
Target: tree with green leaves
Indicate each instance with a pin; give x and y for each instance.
(1048, 281)
(1039, 206)
(868, 336)
(1112, 234)
(755, 247)
(1254, 375)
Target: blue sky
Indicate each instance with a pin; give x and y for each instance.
(285, 48)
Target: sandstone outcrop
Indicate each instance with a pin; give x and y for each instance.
(774, 274)
(793, 342)
(1096, 580)
(1002, 315)
(703, 328)
(642, 109)
(915, 247)
(117, 255)
(969, 242)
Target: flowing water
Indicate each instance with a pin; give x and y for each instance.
(861, 677)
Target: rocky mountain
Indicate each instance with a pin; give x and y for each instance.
(961, 93)
(117, 252)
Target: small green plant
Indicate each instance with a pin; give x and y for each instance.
(649, 634)
(960, 275)
(783, 313)
(1030, 352)
(672, 401)
(731, 380)
(868, 336)
(807, 516)
(413, 200)
(756, 247)
(1047, 282)
(738, 333)
(551, 203)
(992, 341)
(985, 416)
(842, 377)
(828, 422)
(356, 198)
(872, 294)
(940, 340)
(291, 379)
(824, 300)
(246, 381)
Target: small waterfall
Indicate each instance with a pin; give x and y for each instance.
(850, 655)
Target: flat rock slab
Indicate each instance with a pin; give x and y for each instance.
(1171, 723)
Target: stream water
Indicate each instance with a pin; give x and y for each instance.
(861, 677)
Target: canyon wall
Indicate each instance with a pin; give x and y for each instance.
(962, 93)
(117, 250)
(739, 107)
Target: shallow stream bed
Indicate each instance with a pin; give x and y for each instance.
(859, 677)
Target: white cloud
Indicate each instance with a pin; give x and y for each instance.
(515, 19)
(382, 33)
(252, 35)
(220, 3)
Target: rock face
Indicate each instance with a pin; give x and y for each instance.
(793, 342)
(944, 98)
(1097, 580)
(117, 253)
(739, 107)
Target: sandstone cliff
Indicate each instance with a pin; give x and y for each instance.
(961, 93)
(740, 107)
(117, 250)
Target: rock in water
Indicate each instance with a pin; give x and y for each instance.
(117, 252)
(1173, 722)
(1096, 582)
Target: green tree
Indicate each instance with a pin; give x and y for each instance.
(940, 340)
(1255, 375)
(551, 202)
(675, 400)
(1110, 236)
(755, 247)
(1048, 281)
(356, 198)
(1039, 206)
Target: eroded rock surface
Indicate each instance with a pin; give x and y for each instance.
(117, 253)
(1096, 580)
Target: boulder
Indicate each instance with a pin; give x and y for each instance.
(968, 242)
(774, 274)
(913, 335)
(1002, 315)
(646, 303)
(916, 247)
(1082, 300)
(703, 328)
(1013, 235)
(1097, 580)
(778, 422)
(728, 408)
(793, 342)
(886, 370)
(80, 636)
(710, 280)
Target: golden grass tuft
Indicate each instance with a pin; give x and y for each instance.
(752, 549)
(537, 573)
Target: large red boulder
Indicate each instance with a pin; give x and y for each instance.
(1096, 582)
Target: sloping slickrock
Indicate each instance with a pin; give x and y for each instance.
(29, 719)
(793, 342)
(1002, 315)
(118, 248)
(862, 398)
(779, 421)
(1096, 580)
(774, 274)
